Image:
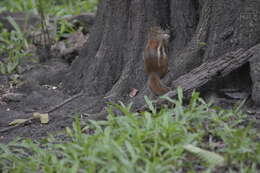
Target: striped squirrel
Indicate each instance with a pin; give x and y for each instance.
(156, 59)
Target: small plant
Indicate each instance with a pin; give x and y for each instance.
(12, 48)
(65, 29)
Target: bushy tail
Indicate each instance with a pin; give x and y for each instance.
(155, 84)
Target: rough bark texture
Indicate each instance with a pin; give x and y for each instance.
(214, 69)
(111, 63)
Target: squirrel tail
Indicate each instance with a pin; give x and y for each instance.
(155, 84)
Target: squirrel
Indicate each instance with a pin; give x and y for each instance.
(156, 59)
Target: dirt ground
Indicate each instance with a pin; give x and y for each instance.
(38, 90)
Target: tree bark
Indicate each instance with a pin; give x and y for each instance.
(111, 63)
(214, 69)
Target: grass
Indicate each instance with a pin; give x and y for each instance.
(14, 44)
(177, 138)
(58, 7)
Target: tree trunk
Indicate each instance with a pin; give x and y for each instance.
(111, 63)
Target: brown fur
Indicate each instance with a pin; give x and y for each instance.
(156, 59)
(156, 85)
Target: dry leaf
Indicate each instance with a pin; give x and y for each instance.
(44, 118)
(133, 92)
(212, 158)
(17, 121)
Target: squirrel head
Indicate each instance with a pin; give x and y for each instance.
(157, 33)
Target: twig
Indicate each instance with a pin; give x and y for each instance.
(64, 102)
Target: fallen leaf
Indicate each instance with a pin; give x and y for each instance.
(212, 158)
(44, 118)
(17, 121)
(133, 92)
